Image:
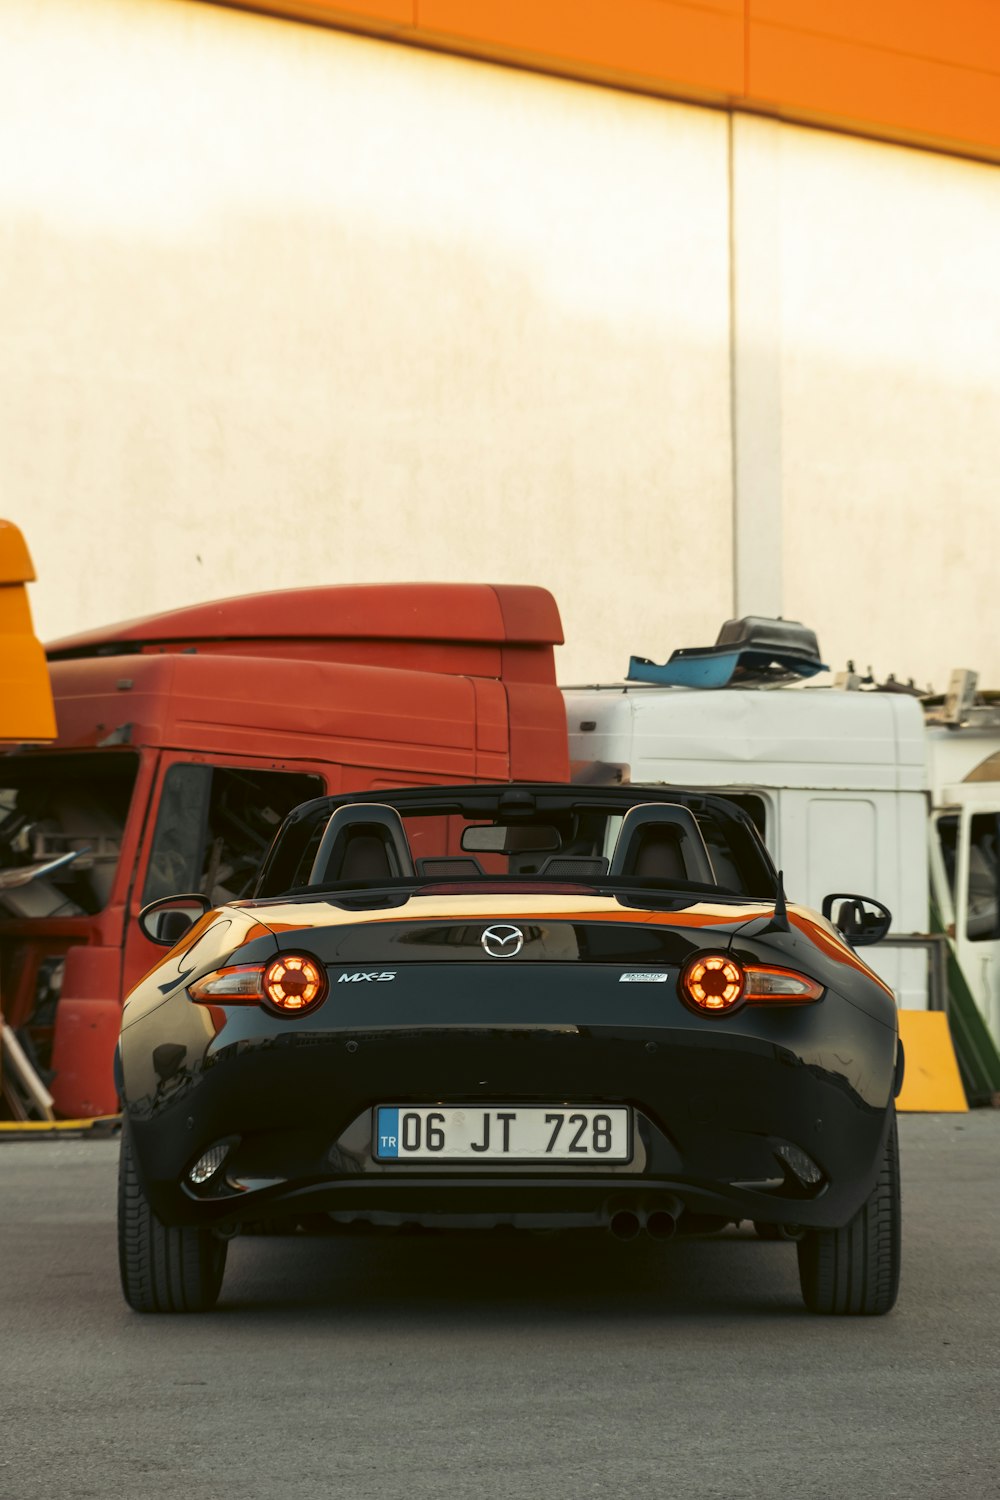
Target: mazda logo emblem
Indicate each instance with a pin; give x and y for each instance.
(502, 941)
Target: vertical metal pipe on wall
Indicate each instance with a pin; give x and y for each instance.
(755, 365)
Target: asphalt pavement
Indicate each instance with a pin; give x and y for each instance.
(500, 1366)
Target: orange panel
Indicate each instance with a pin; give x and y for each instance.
(360, 15)
(26, 711)
(402, 11)
(841, 82)
(913, 70)
(83, 1057)
(963, 32)
(659, 40)
(15, 560)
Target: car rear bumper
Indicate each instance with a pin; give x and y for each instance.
(715, 1108)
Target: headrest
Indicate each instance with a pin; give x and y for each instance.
(364, 841)
(662, 840)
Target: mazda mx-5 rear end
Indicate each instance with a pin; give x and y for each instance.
(543, 1007)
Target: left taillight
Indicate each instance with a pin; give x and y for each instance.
(292, 984)
(242, 983)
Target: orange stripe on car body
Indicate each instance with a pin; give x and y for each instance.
(821, 933)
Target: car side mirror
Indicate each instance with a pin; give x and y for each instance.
(861, 919)
(165, 922)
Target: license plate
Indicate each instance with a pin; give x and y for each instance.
(512, 1133)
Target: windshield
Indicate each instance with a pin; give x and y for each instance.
(62, 821)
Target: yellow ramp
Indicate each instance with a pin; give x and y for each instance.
(931, 1082)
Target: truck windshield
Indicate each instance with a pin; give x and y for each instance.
(62, 820)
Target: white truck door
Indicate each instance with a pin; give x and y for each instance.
(865, 844)
(970, 848)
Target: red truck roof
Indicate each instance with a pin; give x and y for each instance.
(318, 671)
(474, 613)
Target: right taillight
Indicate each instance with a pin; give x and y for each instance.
(714, 984)
(768, 982)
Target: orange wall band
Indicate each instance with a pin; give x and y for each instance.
(913, 71)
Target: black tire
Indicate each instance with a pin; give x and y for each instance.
(855, 1270)
(164, 1269)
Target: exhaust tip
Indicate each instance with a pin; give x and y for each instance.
(661, 1225)
(625, 1225)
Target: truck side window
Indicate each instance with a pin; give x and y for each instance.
(175, 861)
(982, 921)
(214, 826)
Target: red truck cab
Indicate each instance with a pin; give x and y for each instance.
(184, 739)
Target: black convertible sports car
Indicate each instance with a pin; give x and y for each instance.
(539, 1006)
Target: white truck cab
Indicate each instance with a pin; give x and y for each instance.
(965, 851)
(838, 783)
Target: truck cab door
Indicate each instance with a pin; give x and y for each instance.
(210, 825)
(870, 841)
(967, 856)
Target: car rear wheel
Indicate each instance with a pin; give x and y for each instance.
(164, 1269)
(855, 1270)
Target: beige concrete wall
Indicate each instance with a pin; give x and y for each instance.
(285, 306)
(890, 403)
(281, 305)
